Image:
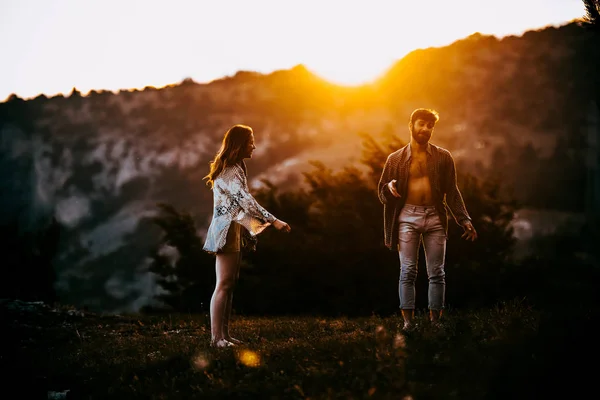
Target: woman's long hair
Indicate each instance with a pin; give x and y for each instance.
(231, 151)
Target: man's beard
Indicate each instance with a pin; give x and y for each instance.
(420, 139)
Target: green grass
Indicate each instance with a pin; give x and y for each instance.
(496, 353)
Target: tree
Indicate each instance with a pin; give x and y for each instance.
(334, 260)
(187, 275)
(592, 13)
(480, 273)
(28, 261)
(592, 21)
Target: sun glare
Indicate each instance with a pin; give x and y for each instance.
(344, 42)
(351, 74)
(354, 44)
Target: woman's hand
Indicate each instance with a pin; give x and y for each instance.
(281, 225)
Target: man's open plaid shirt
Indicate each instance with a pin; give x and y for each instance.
(442, 176)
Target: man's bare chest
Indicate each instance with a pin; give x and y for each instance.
(418, 168)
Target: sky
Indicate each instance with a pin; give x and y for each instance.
(52, 46)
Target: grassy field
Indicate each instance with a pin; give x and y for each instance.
(510, 351)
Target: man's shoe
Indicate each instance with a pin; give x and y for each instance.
(409, 326)
(438, 325)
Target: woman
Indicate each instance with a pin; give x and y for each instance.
(235, 213)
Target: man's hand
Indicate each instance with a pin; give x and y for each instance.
(470, 232)
(281, 225)
(392, 186)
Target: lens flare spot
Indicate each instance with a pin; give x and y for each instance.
(399, 341)
(249, 358)
(200, 361)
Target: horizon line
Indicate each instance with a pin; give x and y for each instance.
(281, 69)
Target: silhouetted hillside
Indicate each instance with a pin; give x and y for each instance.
(515, 107)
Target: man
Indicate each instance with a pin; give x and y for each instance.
(417, 184)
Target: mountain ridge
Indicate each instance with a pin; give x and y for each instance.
(100, 162)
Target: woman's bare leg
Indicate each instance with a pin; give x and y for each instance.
(228, 308)
(227, 267)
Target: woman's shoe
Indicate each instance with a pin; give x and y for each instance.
(222, 343)
(234, 340)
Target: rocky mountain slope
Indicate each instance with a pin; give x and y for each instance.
(101, 162)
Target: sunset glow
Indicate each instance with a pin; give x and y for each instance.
(55, 46)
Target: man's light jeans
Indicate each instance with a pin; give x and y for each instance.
(417, 222)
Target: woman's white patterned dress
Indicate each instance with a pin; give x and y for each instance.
(234, 203)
